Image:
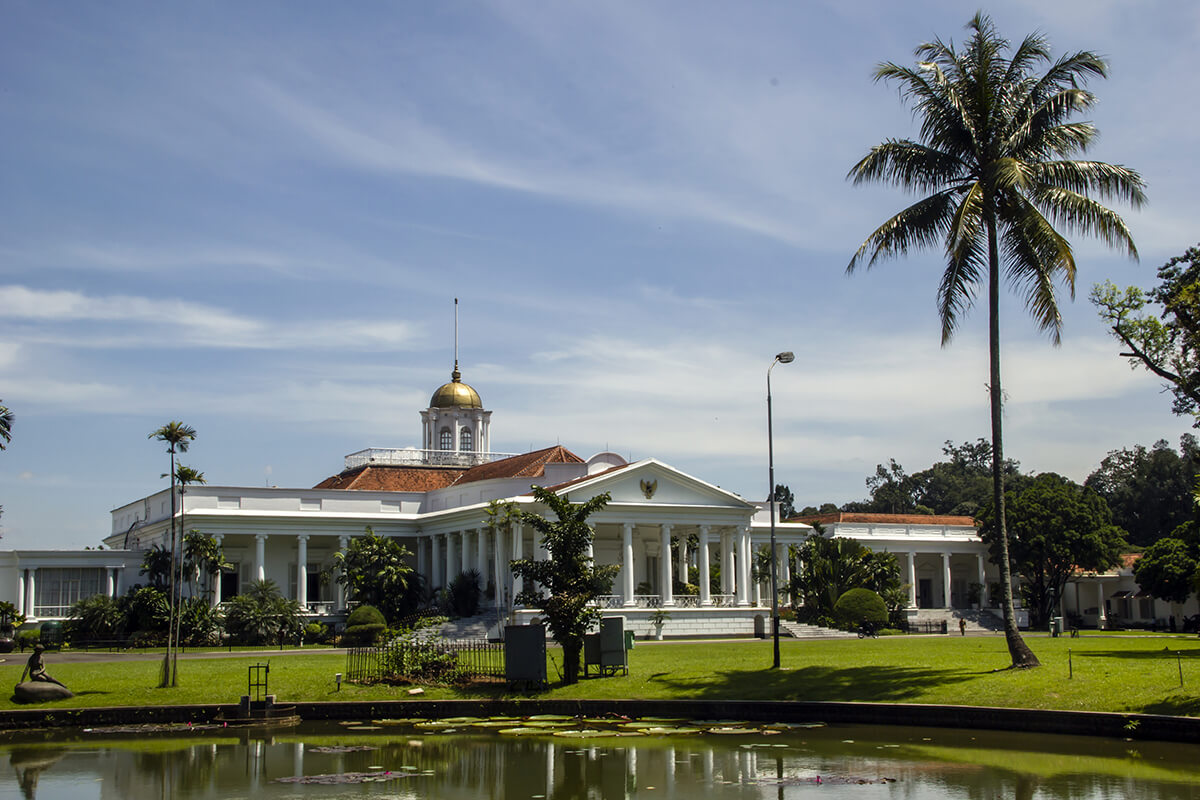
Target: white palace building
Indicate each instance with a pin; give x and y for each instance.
(434, 499)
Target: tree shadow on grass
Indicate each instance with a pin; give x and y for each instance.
(1160, 653)
(867, 684)
(1176, 706)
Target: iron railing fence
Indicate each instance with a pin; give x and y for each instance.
(430, 660)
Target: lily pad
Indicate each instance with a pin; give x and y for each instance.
(521, 731)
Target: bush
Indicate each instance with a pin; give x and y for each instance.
(365, 615)
(363, 635)
(28, 638)
(860, 605)
(465, 594)
(316, 632)
(95, 618)
(261, 615)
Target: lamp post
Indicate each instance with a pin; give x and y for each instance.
(785, 357)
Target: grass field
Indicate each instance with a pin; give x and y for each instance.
(1095, 673)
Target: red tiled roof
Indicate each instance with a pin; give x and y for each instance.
(526, 465)
(380, 478)
(885, 519)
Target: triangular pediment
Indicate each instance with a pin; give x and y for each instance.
(651, 482)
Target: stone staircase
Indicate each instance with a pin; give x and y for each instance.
(480, 626)
(799, 630)
(978, 621)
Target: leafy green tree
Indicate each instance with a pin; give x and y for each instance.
(564, 587)
(1170, 568)
(785, 502)
(1056, 527)
(1149, 491)
(1167, 343)
(262, 615)
(156, 566)
(994, 163)
(832, 566)
(377, 571)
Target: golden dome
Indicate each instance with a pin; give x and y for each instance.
(455, 394)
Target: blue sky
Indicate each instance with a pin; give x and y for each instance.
(254, 218)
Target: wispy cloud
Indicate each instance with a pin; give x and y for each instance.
(126, 321)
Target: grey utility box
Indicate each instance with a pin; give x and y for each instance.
(525, 655)
(606, 650)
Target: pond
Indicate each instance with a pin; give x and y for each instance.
(647, 759)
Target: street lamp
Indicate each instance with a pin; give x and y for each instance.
(785, 357)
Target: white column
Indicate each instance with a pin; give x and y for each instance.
(912, 579)
(481, 555)
(664, 566)
(518, 551)
(758, 585)
(683, 560)
(743, 566)
(22, 598)
(452, 562)
(702, 567)
(464, 549)
(627, 563)
(110, 582)
(302, 570)
(1101, 612)
(945, 580)
(423, 556)
(437, 567)
(983, 592)
(497, 544)
(343, 543)
(214, 581)
(727, 581)
(260, 556)
(781, 557)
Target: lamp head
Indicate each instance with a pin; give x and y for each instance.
(786, 357)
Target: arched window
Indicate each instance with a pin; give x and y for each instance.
(464, 441)
(446, 439)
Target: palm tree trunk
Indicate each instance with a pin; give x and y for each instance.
(165, 679)
(1022, 656)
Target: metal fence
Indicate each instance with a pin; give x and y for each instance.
(430, 661)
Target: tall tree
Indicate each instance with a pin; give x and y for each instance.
(184, 476)
(1149, 490)
(177, 437)
(1057, 527)
(1167, 345)
(564, 587)
(995, 157)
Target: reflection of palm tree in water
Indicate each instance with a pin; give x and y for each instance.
(29, 765)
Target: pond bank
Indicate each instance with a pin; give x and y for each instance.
(1082, 723)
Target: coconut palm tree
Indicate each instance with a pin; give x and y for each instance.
(6, 421)
(994, 163)
(177, 436)
(184, 476)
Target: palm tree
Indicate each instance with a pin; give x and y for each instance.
(184, 476)
(177, 436)
(995, 157)
(6, 421)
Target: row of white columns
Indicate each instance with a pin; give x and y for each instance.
(981, 577)
(445, 555)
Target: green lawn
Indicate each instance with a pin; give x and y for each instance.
(1123, 674)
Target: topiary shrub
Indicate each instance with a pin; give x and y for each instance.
(365, 615)
(364, 626)
(857, 606)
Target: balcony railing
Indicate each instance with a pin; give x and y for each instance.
(412, 457)
(655, 601)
